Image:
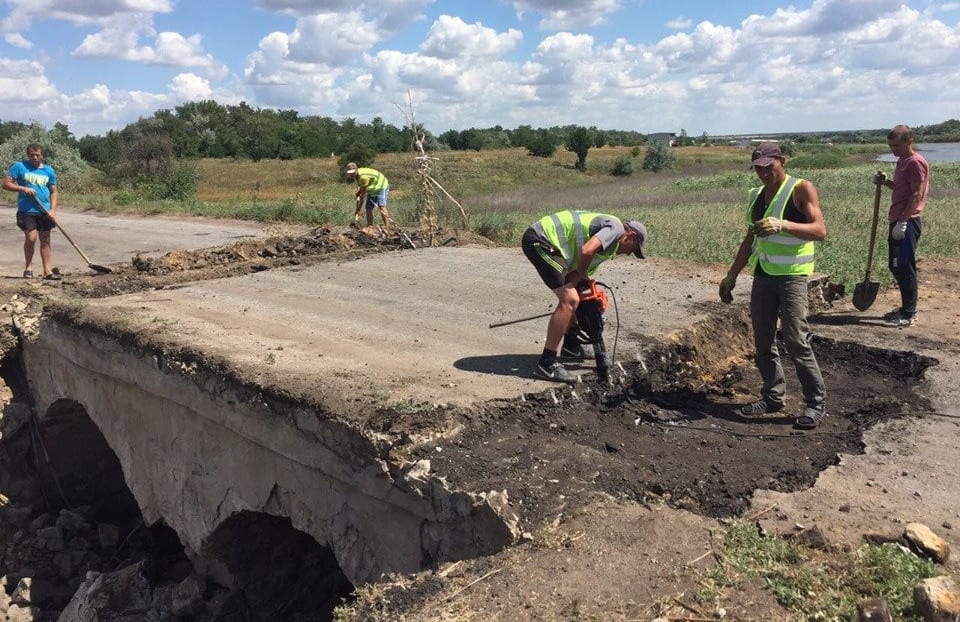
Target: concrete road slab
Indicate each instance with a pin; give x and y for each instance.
(407, 325)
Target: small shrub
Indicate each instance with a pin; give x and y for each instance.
(622, 167)
(635, 152)
(659, 157)
(543, 145)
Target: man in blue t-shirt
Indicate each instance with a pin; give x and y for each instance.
(35, 182)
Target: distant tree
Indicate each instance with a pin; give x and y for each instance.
(184, 140)
(147, 149)
(599, 138)
(543, 144)
(523, 136)
(471, 140)
(318, 137)
(579, 142)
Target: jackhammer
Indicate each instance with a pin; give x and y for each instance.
(590, 321)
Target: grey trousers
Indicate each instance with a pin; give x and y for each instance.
(784, 298)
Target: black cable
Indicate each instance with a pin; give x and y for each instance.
(616, 313)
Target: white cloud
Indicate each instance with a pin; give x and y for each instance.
(22, 82)
(120, 39)
(189, 86)
(17, 40)
(568, 14)
(25, 12)
(679, 23)
(451, 37)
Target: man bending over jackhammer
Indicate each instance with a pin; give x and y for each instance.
(566, 248)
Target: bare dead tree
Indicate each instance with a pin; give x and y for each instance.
(427, 199)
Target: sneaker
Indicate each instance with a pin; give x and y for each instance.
(576, 352)
(760, 407)
(556, 372)
(900, 321)
(892, 315)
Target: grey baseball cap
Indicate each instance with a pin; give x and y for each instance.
(641, 232)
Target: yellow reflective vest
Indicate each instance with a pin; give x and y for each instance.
(568, 231)
(780, 254)
(371, 180)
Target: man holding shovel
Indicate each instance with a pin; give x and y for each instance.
(783, 222)
(910, 183)
(35, 180)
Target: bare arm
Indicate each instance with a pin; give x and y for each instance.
(806, 200)
(54, 199)
(13, 186)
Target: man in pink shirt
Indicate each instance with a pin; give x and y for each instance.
(910, 183)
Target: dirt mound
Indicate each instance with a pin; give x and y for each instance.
(255, 255)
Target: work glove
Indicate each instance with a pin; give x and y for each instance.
(767, 226)
(726, 288)
(879, 178)
(899, 230)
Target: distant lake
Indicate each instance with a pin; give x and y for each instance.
(933, 152)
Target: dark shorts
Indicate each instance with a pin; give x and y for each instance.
(540, 253)
(31, 222)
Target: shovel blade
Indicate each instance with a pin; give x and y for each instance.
(864, 294)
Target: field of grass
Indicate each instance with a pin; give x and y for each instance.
(694, 211)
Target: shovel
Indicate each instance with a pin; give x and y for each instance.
(90, 264)
(866, 292)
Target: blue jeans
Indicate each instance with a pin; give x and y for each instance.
(902, 261)
(784, 298)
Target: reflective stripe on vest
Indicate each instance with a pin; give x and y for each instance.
(780, 254)
(568, 231)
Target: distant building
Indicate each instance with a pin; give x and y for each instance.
(663, 137)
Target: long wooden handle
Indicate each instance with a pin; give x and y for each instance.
(72, 243)
(873, 229)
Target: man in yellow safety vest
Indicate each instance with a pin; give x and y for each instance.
(566, 248)
(373, 189)
(783, 222)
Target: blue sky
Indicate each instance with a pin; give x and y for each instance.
(719, 67)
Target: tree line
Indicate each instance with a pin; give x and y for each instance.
(153, 155)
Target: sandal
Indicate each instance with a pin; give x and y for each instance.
(809, 418)
(760, 407)
(51, 277)
(28, 274)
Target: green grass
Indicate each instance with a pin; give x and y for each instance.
(817, 584)
(694, 212)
